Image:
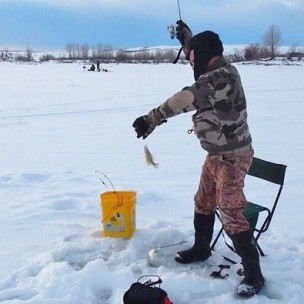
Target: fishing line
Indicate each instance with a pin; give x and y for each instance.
(96, 171)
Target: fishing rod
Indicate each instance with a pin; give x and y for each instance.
(179, 12)
(171, 28)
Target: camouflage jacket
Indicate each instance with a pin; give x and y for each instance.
(220, 120)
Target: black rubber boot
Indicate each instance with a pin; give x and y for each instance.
(253, 281)
(200, 251)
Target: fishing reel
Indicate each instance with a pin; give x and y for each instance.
(172, 31)
(171, 28)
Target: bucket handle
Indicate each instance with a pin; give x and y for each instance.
(116, 206)
(119, 202)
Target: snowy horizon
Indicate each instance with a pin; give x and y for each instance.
(229, 48)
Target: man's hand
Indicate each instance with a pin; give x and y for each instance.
(143, 126)
(184, 36)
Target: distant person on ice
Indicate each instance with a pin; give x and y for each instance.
(98, 65)
(92, 68)
(220, 124)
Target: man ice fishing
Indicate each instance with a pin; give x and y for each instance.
(220, 123)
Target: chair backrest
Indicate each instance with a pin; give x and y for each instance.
(272, 172)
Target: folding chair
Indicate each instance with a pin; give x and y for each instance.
(270, 172)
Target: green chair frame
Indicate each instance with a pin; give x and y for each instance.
(270, 172)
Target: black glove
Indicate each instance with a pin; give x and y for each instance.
(143, 126)
(183, 34)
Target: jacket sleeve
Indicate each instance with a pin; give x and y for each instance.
(180, 102)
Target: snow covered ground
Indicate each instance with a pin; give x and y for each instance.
(60, 123)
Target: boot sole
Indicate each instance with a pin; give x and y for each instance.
(248, 294)
(182, 260)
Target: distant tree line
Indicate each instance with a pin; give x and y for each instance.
(267, 50)
(77, 51)
(7, 55)
(106, 53)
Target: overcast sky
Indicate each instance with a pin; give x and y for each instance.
(51, 24)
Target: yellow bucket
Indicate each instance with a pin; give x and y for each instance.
(118, 213)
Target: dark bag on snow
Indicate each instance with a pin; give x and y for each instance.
(140, 293)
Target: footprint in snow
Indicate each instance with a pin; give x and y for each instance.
(65, 204)
(35, 177)
(5, 178)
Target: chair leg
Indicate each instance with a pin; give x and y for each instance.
(260, 249)
(216, 239)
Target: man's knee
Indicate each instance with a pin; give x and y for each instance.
(233, 220)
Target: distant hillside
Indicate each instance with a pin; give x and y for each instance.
(153, 54)
(228, 49)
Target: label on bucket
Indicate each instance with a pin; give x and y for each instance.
(116, 223)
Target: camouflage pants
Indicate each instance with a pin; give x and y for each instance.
(221, 185)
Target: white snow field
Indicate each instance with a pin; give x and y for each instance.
(60, 123)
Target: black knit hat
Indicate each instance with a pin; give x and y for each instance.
(205, 45)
